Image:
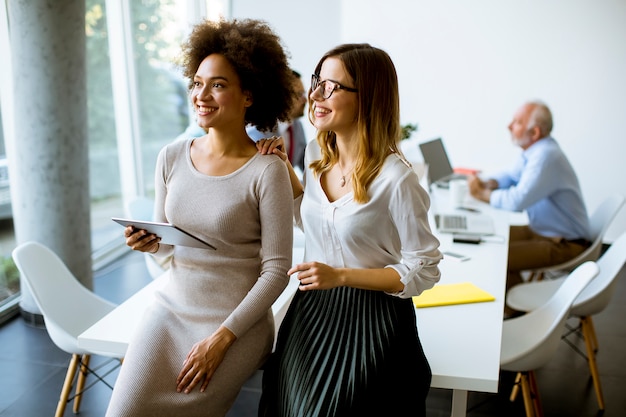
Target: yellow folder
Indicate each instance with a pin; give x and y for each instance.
(448, 294)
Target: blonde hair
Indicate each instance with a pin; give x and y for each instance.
(378, 115)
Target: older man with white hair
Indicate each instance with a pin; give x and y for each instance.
(543, 183)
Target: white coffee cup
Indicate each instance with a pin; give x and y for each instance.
(458, 190)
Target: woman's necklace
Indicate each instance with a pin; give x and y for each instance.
(342, 180)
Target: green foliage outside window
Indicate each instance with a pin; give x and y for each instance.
(9, 277)
(162, 94)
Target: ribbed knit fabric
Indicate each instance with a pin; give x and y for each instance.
(247, 215)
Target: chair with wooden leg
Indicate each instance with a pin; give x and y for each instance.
(591, 301)
(530, 341)
(68, 309)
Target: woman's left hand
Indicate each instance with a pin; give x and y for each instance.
(317, 276)
(274, 145)
(203, 359)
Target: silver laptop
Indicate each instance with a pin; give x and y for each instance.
(440, 170)
(469, 224)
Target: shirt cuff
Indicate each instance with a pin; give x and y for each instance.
(409, 278)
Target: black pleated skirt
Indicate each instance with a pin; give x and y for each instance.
(346, 352)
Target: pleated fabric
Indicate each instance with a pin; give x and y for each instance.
(346, 352)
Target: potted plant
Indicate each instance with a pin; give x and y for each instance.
(407, 130)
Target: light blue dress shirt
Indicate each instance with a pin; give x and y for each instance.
(543, 183)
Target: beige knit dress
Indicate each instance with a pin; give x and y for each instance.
(247, 215)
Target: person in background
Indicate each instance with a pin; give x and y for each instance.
(211, 326)
(349, 343)
(192, 131)
(292, 130)
(543, 183)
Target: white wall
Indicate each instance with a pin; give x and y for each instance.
(307, 29)
(465, 67)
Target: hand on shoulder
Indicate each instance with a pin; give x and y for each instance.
(274, 145)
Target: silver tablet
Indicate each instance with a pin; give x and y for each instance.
(169, 234)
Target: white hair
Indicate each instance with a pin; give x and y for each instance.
(541, 116)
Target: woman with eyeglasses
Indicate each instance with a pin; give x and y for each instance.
(349, 343)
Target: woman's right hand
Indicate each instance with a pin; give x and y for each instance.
(317, 276)
(141, 240)
(273, 145)
(276, 145)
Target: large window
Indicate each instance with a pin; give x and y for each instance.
(137, 103)
(140, 77)
(9, 278)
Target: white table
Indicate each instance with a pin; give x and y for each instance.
(461, 342)
(113, 332)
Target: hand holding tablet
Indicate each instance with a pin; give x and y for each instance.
(169, 234)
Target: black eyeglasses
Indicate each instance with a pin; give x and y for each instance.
(328, 86)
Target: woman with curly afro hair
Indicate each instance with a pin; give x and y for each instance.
(211, 326)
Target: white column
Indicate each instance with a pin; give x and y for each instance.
(48, 150)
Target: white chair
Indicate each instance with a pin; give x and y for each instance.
(68, 309)
(599, 222)
(531, 340)
(593, 300)
(141, 208)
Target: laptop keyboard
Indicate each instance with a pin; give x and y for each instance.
(454, 222)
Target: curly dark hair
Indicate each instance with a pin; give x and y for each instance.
(259, 59)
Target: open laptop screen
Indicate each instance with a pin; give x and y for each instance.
(436, 158)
